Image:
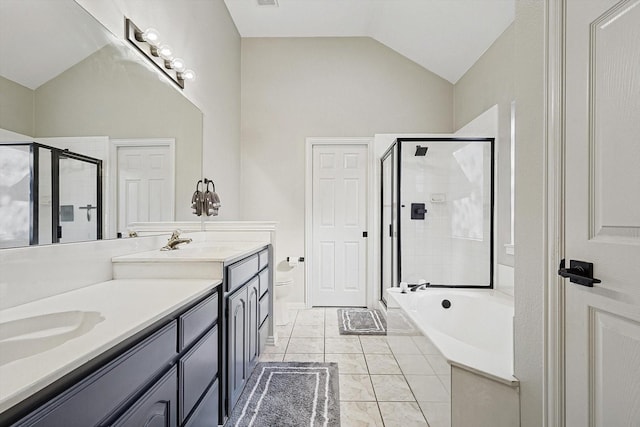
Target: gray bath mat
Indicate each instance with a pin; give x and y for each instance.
(289, 394)
(361, 321)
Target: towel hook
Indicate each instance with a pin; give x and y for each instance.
(197, 201)
(209, 181)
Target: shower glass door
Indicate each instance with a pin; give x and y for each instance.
(78, 214)
(48, 195)
(389, 241)
(446, 214)
(15, 203)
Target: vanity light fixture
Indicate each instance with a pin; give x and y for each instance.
(177, 64)
(151, 36)
(148, 42)
(188, 75)
(165, 52)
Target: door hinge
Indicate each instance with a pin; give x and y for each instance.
(365, 234)
(579, 272)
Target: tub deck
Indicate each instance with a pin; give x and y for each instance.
(474, 333)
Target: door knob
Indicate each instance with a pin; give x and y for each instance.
(579, 272)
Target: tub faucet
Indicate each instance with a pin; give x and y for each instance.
(174, 241)
(420, 286)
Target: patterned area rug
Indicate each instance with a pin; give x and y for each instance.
(361, 321)
(283, 394)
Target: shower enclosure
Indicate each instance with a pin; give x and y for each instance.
(437, 213)
(48, 195)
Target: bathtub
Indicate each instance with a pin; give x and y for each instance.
(474, 333)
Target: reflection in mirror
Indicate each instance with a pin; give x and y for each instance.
(70, 84)
(42, 185)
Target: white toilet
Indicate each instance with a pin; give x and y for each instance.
(284, 284)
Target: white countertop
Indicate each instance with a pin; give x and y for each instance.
(205, 251)
(118, 309)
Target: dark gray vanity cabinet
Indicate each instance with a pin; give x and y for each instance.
(247, 302)
(253, 322)
(238, 351)
(157, 407)
(167, 375)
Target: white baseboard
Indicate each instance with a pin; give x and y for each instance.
(380, 306)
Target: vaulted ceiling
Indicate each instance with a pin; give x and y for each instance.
(444, 36)
(62, 33)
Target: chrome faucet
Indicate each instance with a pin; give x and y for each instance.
(422, 284)
(174, 241)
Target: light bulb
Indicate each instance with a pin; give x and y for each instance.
(177, 64)
(151, 36)
(188, 75)
(164, 51)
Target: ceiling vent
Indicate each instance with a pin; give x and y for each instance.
(268, 3)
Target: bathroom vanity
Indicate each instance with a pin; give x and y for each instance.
(247, 301)
(247, 298)
(141, 359)
(172, 340)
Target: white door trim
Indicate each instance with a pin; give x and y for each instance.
(554, 325)
(308, 209)
(114, 145)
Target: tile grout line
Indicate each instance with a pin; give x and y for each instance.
(363, 354)
(426, 420)
(371, 382)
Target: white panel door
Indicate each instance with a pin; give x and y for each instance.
(339, 218)
(145, 185)
(602, 211)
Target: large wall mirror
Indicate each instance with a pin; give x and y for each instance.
(92, 138)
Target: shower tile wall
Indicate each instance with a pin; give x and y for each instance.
(443, 248)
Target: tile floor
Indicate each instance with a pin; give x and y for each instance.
(384, 381)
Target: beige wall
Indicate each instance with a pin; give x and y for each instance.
(202, 33)
(16, 107)
(300, 87)
(491, 81)
(112, 94)
(530, 281)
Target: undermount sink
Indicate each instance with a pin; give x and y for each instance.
(32, 335)
(198, 260)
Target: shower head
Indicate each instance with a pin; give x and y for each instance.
(421, 151)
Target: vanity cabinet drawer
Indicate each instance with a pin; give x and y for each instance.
(197, 320)
(263, 258)
(198, 368)
(98, 395)
(207, 410)
(158, 406)
(264, 308)
(241, 271)
(264, 281)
